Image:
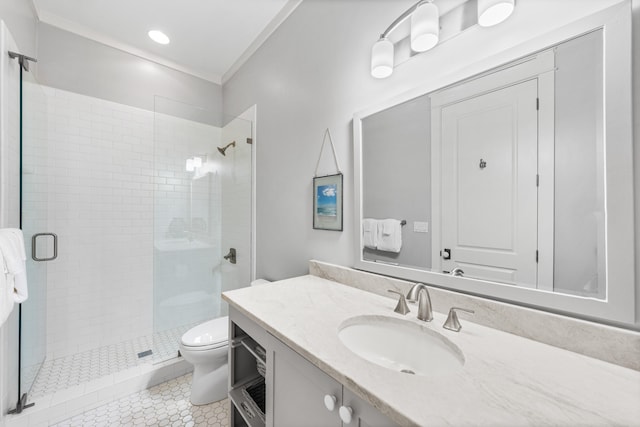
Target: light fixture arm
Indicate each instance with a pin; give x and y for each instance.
(400, 19)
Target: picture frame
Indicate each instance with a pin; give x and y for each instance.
(327, 202)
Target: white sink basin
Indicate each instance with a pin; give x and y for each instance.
(401, 346)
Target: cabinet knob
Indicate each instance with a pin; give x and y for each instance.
(330, 402)
(346, 413)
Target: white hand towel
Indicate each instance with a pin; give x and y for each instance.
(6, 291)
(370, 233)
(12, 247)
(388, 227)
(390, 235)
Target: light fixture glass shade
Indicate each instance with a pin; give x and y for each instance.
(425, 27)
(382, 58)
(493, 12)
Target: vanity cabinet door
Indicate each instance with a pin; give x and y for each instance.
(362, 413)
(299, 391)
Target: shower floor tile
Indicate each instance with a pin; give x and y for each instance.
(166, 404)
(70, 371)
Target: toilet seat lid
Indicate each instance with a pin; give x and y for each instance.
(214, 331)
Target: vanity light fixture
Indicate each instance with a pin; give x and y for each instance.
(426, 24)
(158, 37)
(425, 27)
(493, 12)
(382, 58)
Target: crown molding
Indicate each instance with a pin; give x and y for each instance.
(86, 32)
(262, 37)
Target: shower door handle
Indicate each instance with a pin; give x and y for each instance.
(34, 243)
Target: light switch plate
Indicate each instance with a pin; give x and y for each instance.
(420, 227)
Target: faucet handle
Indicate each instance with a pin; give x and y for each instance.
(402, 306)
(452, 323)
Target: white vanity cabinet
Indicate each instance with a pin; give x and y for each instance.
(362, 413)
(298, 393)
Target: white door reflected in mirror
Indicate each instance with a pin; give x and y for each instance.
(489, 213)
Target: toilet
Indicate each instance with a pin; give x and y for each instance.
(206, 346)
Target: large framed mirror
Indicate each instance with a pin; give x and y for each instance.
(514, 181)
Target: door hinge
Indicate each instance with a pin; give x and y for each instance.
(537, 103)
(537, 180)
(536, 256)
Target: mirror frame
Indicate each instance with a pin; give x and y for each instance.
(619, 304)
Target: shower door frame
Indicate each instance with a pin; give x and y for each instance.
(21, 402)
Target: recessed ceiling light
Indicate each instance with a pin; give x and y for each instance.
(159, 37)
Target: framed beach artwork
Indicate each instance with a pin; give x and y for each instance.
(327, 202)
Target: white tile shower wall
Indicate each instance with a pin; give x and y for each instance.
(101, 205)
(187, 222)
(176, 141)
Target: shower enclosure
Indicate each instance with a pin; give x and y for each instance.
(144, 209)
(202, 214)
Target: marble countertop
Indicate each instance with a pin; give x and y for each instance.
(506, 379)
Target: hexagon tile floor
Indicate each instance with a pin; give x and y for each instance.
(71, 370)
(166, 404)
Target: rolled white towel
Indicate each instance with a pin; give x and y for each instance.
(13, 251)
(6, 291)
(370, 233)
(390, 235)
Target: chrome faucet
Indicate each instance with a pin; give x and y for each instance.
(458, 272)
(419, 292)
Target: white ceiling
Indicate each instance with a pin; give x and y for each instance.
(209, 38)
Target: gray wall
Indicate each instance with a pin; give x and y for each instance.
(77, 64)
(396, 176)
(313, 73)
(20, 18)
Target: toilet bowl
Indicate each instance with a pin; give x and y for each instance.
(205, 346)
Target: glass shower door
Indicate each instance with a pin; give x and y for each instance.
(33, 325)
(192, 174)
(236, 208)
